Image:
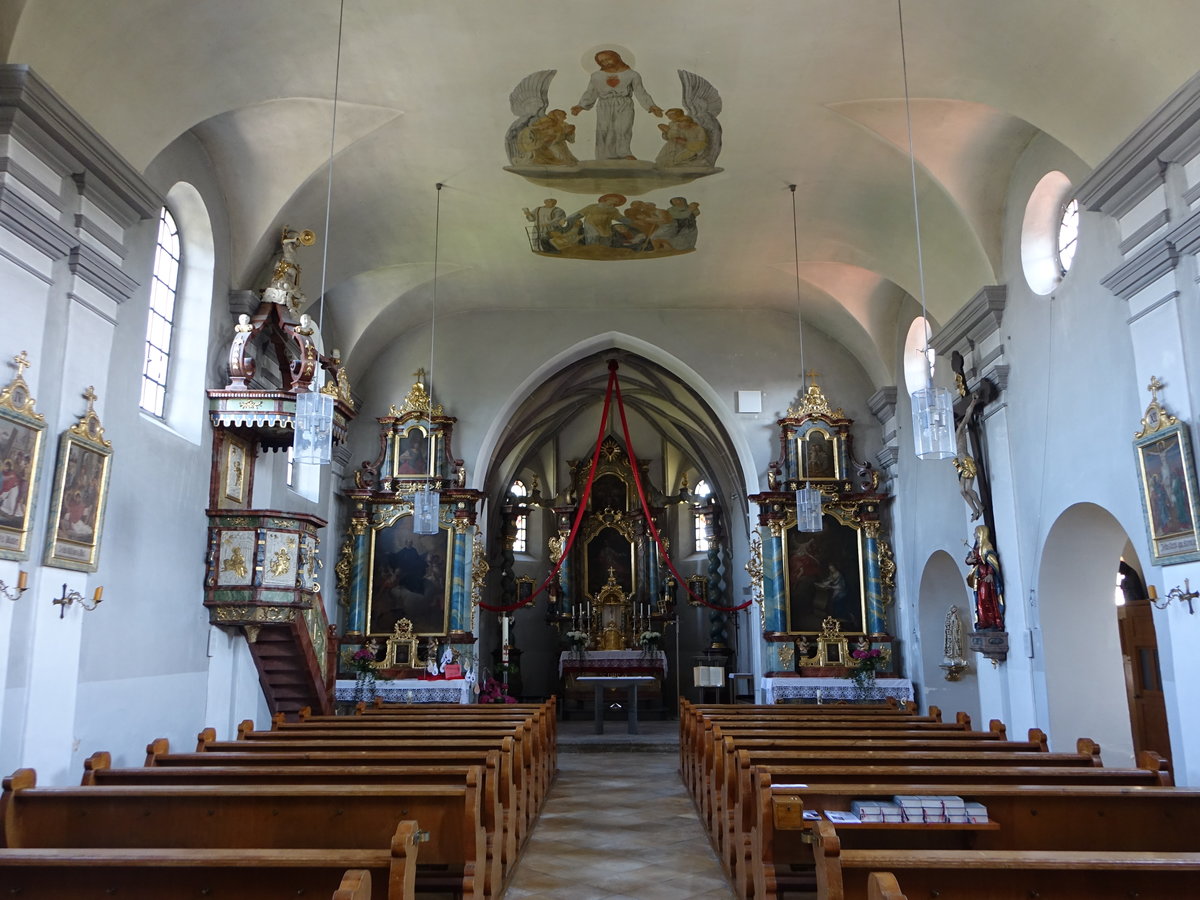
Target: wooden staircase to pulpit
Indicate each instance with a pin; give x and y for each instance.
(289, 670)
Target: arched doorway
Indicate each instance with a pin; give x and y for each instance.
(1082, 655)
(942, 586)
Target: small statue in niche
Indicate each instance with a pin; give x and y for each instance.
(987, 582)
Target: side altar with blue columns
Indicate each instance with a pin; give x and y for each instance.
(823, 593)
(394, 580)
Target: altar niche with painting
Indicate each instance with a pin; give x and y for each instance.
(409, 579)
(824, 578)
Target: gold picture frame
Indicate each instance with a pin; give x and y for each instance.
(410, 578)
(21, 432)
(824, 576)
(234, 470)
(80, 493)
(1167, 478)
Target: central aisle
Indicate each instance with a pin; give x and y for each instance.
(618, 826)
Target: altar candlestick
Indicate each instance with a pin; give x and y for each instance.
(22, 580)
(504, 630)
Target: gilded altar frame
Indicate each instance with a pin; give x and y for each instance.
(22, 430)
(824, 577)
(80, 493)
(1167, 482)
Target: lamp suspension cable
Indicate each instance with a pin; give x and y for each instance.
(427, 501)
(337, 76)
(808, 498)
(932, 407)
(313, 436)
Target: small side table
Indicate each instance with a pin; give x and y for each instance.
(737, 680)
(629, 682)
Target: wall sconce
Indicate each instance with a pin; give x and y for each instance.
(1183, 595)
(22, 584)
(68, 598)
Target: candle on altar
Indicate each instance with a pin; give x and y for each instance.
(22, 580)
(504, 630)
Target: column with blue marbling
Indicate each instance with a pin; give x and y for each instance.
(876, 622)
(774, 596)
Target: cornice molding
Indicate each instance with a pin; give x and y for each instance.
(979, 318)
(24, 220)
(28, 103)
(1134, 168)
(882, 404)
(101, 274)
(1142, 269)
(1186, 235)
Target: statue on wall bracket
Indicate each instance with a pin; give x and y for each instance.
(541, 142)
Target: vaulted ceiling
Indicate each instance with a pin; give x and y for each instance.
(812, 93)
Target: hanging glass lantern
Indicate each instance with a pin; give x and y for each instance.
(426, 511)
(314, 428)
(933, 422)
(808, 509)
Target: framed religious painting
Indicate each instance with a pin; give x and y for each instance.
(824, 578)
(413, 452)
(819, 455)
(21, 432)
(1167, 476)
(80, 492)
(233, 477)
(409, 579)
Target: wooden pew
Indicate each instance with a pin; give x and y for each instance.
(311, 816)
(692, 719)
(536, 723)
(1081, 818)
(529, 743)
(1002, 874)
(526, 784)
(238, 874)
(98, 771)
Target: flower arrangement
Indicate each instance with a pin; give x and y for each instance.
(578, 639)
(649, 640)
(867, 661)
(493, 691)
(362, 660)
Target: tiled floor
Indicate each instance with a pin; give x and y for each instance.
(618, 826)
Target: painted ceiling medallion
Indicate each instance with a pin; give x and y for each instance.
(539, 143)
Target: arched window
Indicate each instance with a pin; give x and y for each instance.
(518, 492)
(700, 523)
(161, 319)
(1068, 236)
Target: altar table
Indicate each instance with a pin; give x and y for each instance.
(631, 682)
(405, 690)
(834, 690)
(613, 662)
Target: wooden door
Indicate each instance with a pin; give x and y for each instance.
(1143, 681)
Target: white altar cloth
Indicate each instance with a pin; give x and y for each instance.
(406, 690)
(833, 690)
(615, 662)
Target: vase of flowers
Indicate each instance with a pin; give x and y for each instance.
(578, 641)
(649, 640)
(362, 663)
(867, 661)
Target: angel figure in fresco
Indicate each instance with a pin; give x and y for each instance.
(611, 90)
(985, 579)
(703, 104)
(544, 141)
(528, 101)
(686, 141)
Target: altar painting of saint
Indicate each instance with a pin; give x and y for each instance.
(409, 579)
(824, 578)
(412, 452)
(818, 456)
(18, 450)
(609, 549)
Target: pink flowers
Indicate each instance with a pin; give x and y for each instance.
(866, 654)
(493, 691)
